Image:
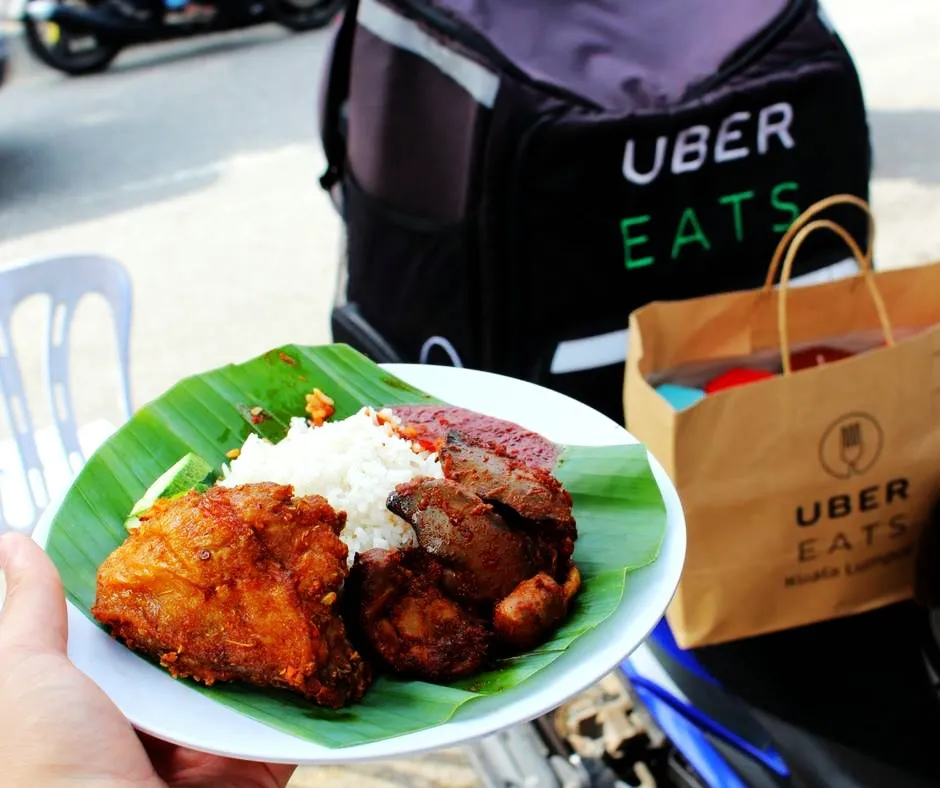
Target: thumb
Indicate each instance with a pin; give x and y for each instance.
(33, 615)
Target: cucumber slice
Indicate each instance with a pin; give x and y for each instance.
(190, 472)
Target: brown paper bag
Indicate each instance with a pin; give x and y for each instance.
(804, 494)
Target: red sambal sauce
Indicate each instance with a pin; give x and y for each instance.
(432, 423)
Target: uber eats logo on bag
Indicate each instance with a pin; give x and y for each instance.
(851, 445)
(863, 526)
(739, 136)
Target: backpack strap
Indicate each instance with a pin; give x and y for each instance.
(337, 90)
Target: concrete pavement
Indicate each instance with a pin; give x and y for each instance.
(194, 164)
(895, 48)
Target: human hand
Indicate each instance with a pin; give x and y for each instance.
(57, 727)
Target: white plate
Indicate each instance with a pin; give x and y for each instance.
(168, 709)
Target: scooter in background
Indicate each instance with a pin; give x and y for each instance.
(84, 36)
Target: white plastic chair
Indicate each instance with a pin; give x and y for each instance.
(65, 280)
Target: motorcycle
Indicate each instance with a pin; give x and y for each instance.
(848, 704)
(84, 36)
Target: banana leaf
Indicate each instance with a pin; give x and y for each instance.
(620, 515)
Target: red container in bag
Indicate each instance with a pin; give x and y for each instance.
(736, 376)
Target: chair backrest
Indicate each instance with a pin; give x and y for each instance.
(65, 280)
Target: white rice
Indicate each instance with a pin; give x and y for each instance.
(354, 463)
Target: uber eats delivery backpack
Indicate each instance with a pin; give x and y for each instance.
(517, 176)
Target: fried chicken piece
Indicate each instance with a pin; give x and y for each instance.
(317, 561)
(484, 559)
(408, 620)
(534, 609)
(237, 584)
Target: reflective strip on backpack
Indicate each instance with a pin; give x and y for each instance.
(577, 355)
(604, 350)
(381, 21)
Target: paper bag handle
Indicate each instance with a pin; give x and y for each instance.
(803, 219)
(864, 262)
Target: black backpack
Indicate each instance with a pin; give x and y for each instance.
(517, 176)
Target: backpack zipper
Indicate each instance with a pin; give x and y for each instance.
(772, 33)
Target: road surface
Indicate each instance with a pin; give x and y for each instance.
(194, 164)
